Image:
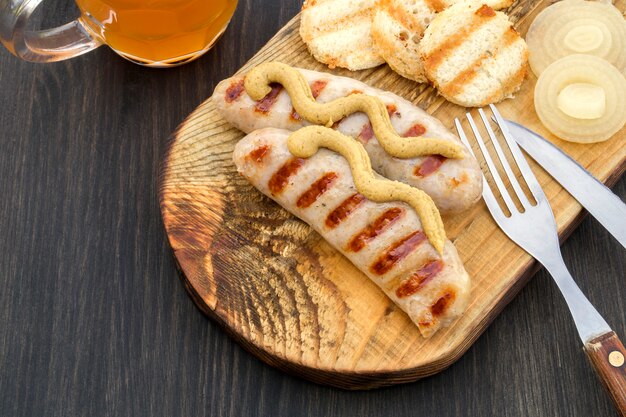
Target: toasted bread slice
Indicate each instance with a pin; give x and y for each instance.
(473, 56)
(398, 27)
(338, 32)
(441, 5)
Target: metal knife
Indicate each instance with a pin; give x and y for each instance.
(594, 196)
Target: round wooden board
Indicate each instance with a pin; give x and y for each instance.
(288, 297)
(275, 284)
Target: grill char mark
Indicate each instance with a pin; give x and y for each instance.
(367, 133)
(294, 115)
(280, 179)
(458, 83)
(446, 48)
(408, 20)
(442, 304)
(419, 278)
(398, 251)
(259, 153)
(234, 91)
(414, 131)
(317, 87)
(343, 210)
(485, 11)
(392, 110)
(429, 165)
(436, 5)
(264, 106)
(373, 230)
(316, 189)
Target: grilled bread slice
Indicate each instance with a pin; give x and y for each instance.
(338, 32)
(473, 56)
(441, 5)
(398, 27)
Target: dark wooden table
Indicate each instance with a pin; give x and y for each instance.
(94, 320)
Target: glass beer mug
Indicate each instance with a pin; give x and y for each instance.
(155, 33)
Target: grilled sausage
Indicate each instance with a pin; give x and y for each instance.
(384, 240)
(453, 184)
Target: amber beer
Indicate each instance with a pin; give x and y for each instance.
(157, 32)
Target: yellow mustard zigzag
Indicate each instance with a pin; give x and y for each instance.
(305, 142)
(257, 84)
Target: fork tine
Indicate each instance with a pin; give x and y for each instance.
(492, 168)
(463, 137)
(488, 196)
(505, 163)
(524, 168)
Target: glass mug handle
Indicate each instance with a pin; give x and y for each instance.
(48, 45)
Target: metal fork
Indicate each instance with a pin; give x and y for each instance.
(535, 231)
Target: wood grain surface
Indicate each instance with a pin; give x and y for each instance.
(94, 320)
(297, 303)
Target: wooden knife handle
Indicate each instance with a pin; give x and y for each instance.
(608, 357)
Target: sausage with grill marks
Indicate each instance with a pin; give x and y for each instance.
(454, 185)
(384, 240)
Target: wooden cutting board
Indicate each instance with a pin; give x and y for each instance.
(288, 297)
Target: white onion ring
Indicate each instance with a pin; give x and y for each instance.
(577, 27)
(580, 68)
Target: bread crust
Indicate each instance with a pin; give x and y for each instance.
(398, 27)
(338, 32)
(473, 56)
(397, 30)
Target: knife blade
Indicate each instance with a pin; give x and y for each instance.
(594, 196)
